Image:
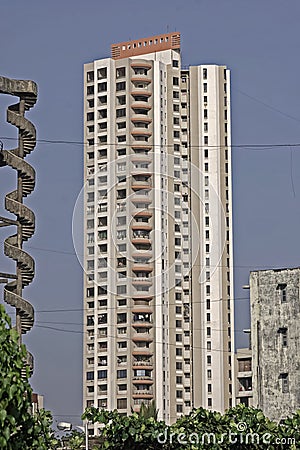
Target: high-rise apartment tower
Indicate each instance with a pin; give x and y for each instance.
(158, 287)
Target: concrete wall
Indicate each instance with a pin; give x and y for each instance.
(274, 360)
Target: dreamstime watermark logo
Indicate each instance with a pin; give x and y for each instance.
(240, 436)
(139, 214)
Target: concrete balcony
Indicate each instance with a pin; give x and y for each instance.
(138, 185)
(142, 380)
(141, 91)
(142, 267)
(146, 120)
(142, 241)
(138, 78)
(141, 65)
(245, 393)
(244, 374)
(142, 364)
(139, 337)
(142, 352)
(139, 393)
(141, 105)
(142, 281)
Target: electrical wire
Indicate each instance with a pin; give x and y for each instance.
(81, 143)
(123, 338)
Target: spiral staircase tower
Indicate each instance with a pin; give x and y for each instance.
(24, 220)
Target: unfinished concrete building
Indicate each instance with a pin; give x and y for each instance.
(275, 338)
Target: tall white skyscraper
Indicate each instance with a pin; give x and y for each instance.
(158, 287)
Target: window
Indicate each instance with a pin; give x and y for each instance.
(122, 403)
(102, 374)
(120, 72)
(121, 138)
(178, 380)
(122, 344)
(122, 302)
(102, 87)
(90, 116)
(121, 125)
(285, 382)
(102, 290)
(122, 317)
(90, 265)
(204, 74)
(179, 394)
(121, 99)
(176, 94)
(102, 388)
(102, 318)
(122, 373)
(90, 76)
(179, 408)
(209, 390)
(121, 151)
(90, 90)
(102, 100)
(90, 320)
(121, 86)
(282, 290)
(121, 112)
(102, 73)
(205, 113)
(284, 337)
(205, 87)
(175, 81)
(90, 376)
(175, 63)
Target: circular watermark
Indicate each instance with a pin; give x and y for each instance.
(154, 220)
(241, 426)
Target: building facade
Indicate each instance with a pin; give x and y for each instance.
(243, 371)
(158, 287)
(275, 337)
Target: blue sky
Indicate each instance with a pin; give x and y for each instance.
(49, 42)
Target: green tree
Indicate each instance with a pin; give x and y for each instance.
(74, 440)
(238, 429)
(148, 411)
(19, 429)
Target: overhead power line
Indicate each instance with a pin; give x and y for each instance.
(245, 146)
(129, 339)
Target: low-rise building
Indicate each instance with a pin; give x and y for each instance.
(243, 370)
(275, 341)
